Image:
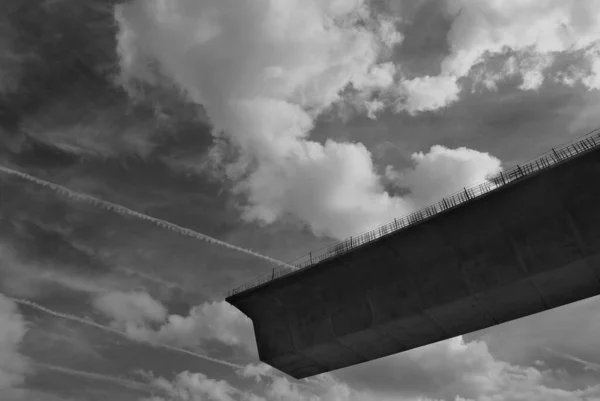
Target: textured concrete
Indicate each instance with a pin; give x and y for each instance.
(530, 246)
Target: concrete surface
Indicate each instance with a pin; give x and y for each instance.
(530, 246)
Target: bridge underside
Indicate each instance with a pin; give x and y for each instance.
(525, 248)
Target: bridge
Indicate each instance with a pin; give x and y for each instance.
(522, 242)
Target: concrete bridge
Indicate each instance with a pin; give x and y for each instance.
(524, 242)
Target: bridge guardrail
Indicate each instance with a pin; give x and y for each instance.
(567, 151)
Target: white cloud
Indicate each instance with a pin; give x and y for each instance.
(534, 29)
(448, 370)
(440, 371)
(591, 79)
(195, 386)
(255, 371)
(443, 171)
(428, 93)
(136, 307)
(453, 368)
(145, 319)
(492, 41)
(13, 365)
(216, 321)
(264, 71)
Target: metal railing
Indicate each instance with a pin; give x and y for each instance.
(567, 151)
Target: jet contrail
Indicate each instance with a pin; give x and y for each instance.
(588, 365)
(96, 376)
(109, 329)
(126, 212)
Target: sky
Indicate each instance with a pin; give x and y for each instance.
(266, 128)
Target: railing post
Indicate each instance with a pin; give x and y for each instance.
(520, 171)
(310, 254)
(350, 242)
(467, 193)
(556, 154)
(445, 203)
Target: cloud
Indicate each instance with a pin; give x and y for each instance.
(440, 371)
(491, 42)
(448, 370)
(195, 386)
(24, 275)
(13, 365)
(135, 308)
(570, 329)
(454, 368)
(214, 321)
(443, 171)
(56, 87)
(264, 71)
(428, 93)
(263, 76)
(145, 319)
(255, 371)
(535, 30)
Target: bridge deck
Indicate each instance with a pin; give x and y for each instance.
(524, 247)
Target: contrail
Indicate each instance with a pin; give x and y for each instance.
(91, 323)
(109, 329)
(126, 212)
(588, 365)
(97, 376)
(151, 278)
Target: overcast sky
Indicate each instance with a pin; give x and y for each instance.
(278, 126)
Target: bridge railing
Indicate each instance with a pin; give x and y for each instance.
(556, 155)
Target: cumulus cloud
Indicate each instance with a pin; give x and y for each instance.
(216, 321)
(534, 30)
(264, 71)
(255, 371)
(440, 371)
(429, 93)
(263, 77)
(196, 386)
(455, 368)
(13, 365)
(442, 171)
(135, 308)
(143, 318)
(448, 370)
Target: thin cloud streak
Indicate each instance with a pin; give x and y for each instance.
(96, 376)
(588, 365)
(123, 211)
(91, 323)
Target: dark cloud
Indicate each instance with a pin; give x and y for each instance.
(424, 46)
